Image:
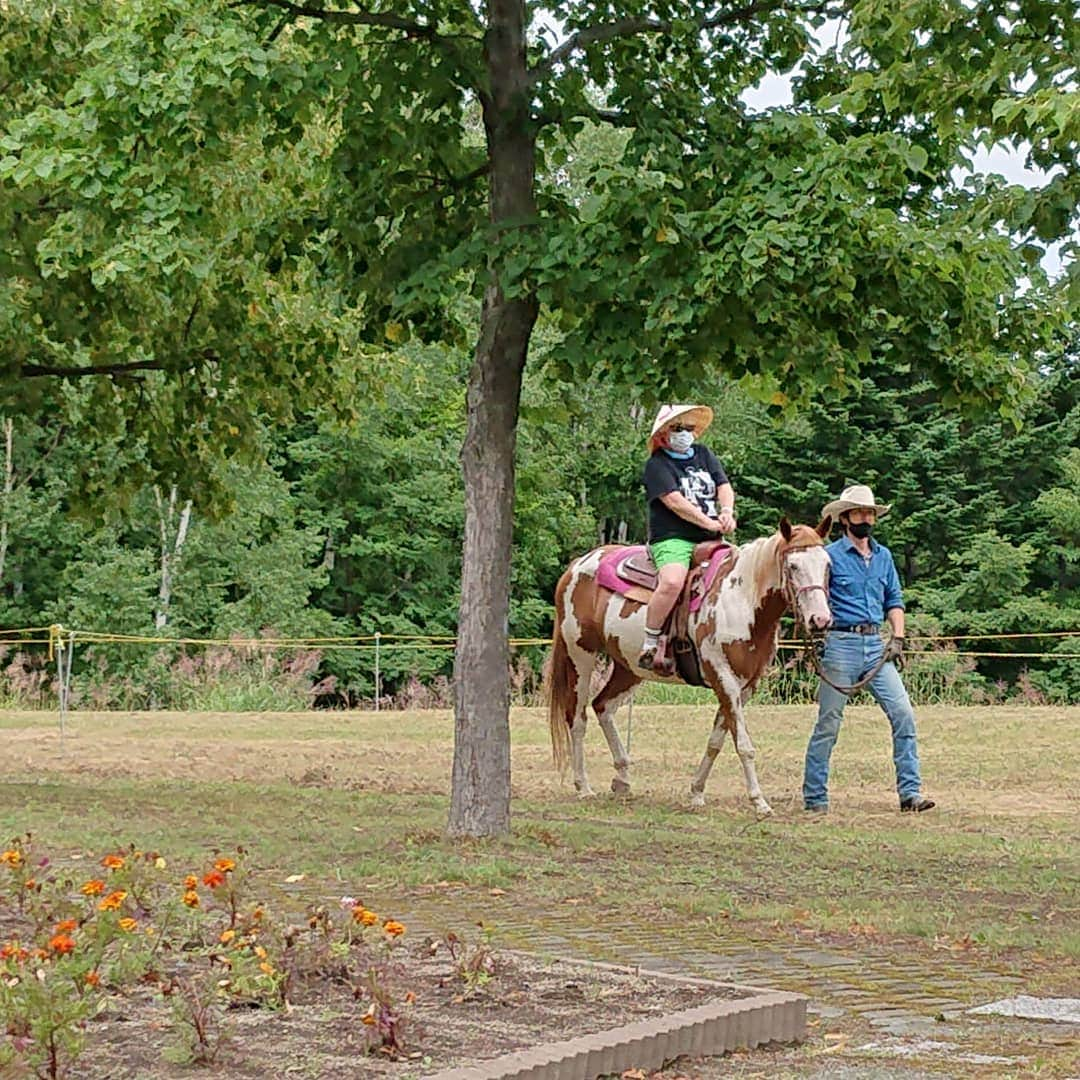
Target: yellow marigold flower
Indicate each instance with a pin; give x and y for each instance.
(224, 865)
(65, 926)
(160, 863)
(191, 882)
(227, 936)
(113, 901)
(394, 928)
(93, 888)
(113, 862)
(260, 952)
(129, 925)
(61, 944)
(11, 858)
(191, 898)
(266, 968)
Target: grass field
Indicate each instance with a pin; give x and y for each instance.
(357, 801)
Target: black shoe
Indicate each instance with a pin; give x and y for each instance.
(645, 660)
(916, 805)
(817, 808)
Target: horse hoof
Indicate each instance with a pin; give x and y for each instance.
(586, 793)
(620, 786)
(697, 800)
(762, 810)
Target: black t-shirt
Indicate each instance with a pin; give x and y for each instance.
(696, 479)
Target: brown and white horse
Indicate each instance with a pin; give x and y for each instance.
(736, 631)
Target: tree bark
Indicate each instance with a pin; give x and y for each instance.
(480, 793)
(9, 487)
(172, 548)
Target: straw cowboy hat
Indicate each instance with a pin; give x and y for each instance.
(855, 497)
(698, 415)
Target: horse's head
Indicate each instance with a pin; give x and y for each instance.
(804, 572)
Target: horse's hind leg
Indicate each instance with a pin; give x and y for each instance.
(584, 665)
(619, 684)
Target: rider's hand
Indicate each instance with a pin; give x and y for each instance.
(726, 522)
(894, 651)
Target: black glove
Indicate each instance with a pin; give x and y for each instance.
(894, 651)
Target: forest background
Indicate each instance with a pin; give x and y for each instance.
(341, 512)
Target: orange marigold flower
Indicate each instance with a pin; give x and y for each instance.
(93, 978)
(113, 901)
(128, 924)
(266, 969)
(227, 936)
(368, 1019)
(257, 914)
(113, 862)
(30, 883)
(260, 952)
(65, 926)
(410, 998)
(214, 879)
(191, 882)
(364, 917)
(13, 951)
(191, 898)
(61, 943)
(93, 888)
(224, 865)
(394, 928)
(11, 858)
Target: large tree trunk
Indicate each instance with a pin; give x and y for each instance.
(480, 795)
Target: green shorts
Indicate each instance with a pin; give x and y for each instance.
(671, 551)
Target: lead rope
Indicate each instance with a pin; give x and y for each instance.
(815, 644)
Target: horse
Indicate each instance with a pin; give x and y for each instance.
(735, 630)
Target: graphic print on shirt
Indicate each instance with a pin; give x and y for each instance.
(699, 487)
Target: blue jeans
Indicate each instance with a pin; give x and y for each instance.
(848, 657)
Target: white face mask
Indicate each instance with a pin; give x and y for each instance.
(680, 441)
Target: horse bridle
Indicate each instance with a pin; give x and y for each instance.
(814, 644)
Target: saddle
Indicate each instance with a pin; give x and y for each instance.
(630, 572)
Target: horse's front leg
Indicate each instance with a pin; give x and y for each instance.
(744, 747)
(716, 741)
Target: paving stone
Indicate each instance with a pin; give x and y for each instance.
(1061, 1010)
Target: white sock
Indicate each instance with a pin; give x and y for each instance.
(652, 638)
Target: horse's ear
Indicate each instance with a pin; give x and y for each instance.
(785, 528)
(824, 525)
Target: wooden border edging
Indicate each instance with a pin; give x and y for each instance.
(715, 1028)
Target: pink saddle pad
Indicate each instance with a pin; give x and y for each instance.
(607, 573)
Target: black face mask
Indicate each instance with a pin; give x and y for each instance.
(860, 530)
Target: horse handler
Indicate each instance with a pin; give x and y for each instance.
(864, 589)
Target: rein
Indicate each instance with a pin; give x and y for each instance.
(815, 642)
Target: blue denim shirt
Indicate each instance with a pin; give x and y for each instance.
(861, 593)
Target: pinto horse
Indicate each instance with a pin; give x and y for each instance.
(736, 631)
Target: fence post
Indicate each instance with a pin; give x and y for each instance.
(378, 675)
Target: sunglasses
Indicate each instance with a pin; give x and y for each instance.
(681, 427)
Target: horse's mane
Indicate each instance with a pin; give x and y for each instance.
(756, 573)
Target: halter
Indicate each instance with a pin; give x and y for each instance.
(815, 639)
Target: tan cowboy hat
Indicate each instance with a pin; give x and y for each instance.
(855, 497)
(698, 415)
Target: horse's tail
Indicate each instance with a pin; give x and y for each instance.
(560, 685)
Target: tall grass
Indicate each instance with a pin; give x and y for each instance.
(239, 678)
